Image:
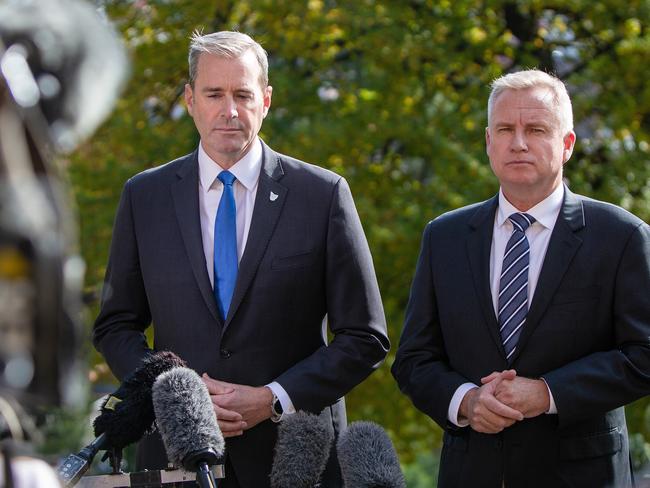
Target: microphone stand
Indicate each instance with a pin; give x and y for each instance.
(204, 477)
(200, 461)
(114, 456)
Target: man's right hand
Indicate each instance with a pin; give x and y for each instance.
(230, 423)
(484, 412)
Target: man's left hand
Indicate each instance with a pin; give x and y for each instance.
(252, 403)
(527, 395)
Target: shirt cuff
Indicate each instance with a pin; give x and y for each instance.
(454, 404)
(552, 408)
(285, 401)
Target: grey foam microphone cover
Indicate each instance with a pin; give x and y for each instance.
(301, 451)
(184, 414)
(367, 458)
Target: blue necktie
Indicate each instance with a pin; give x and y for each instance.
(225, 245)
(513, 285)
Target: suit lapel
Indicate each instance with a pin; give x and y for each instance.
(479, 244)
(561, 248)
(269, 201)
(186, 203)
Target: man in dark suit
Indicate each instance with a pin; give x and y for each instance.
(240, 256)
(528, 324)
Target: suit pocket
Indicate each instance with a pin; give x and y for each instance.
(300, 260)
(591, 446)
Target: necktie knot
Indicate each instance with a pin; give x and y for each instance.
(227, 178)
(521, 221)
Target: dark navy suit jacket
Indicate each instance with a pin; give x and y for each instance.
(587, 334)
(306, 261)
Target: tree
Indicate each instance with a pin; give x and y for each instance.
(391, 95)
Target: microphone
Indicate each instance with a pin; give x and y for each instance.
(74, 466)
(301, 451)
(128, 413)
(125, 417)
(367, 458)
(187, 423)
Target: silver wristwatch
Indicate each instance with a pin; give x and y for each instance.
(276, 409)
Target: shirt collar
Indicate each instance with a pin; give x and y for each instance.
(545, 212)
(246, 170)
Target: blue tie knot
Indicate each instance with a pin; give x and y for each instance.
(227, 178)
(521, 221)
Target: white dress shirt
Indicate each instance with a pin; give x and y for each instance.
(247, 171)
(539, 235)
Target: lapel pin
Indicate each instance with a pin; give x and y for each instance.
(273, 197)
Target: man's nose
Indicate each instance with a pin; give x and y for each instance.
(518, 142)
(230, 108)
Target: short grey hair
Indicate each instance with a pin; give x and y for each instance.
(534, 78)
(227, 44)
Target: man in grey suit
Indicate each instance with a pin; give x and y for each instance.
(239, 256)
(528, 324)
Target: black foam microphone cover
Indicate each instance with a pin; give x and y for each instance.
(367, 457)
(301, 451)
(128, 414)
(186, 419)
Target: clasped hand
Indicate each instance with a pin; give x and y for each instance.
(238, 407)
(503, 399)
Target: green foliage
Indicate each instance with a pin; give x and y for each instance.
(64, 430)
(639, 451)
(423, 473)
(391, 95)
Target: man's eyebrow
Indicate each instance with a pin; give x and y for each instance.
(538, 122)
(211, 89)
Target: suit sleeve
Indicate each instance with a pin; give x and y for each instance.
(355, 315)
(421, 365)
(608, 379)
(118, 333)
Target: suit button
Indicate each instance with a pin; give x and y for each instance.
(225, 353)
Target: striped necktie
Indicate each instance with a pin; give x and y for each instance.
(513, 285)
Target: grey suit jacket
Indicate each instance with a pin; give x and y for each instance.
(306, 260)
(587, 334)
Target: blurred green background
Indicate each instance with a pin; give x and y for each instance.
(391, 95)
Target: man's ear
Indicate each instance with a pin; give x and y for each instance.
(569, 143)
(268, 92)
(189, 98)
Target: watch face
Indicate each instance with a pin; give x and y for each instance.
(276, 410)
(277, 407)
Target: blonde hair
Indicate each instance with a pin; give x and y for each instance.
(534, 78)
(227, 44)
